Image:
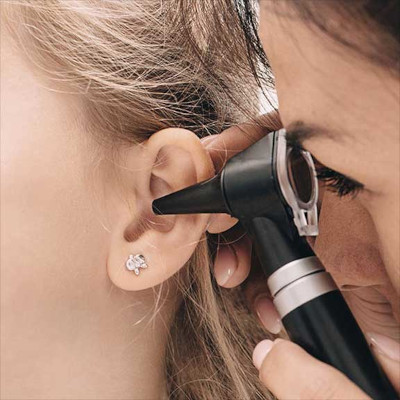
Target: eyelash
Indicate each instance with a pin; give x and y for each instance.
(335, 181)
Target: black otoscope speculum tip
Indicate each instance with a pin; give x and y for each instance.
(273, 190)
(205, 197)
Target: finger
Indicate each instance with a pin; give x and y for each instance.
(221, 223)
(259, 299)
(267, 314)
(232, 262)
(291, 373)
(387, 351)
(233, 140)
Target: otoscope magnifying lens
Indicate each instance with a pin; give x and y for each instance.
(300, 176)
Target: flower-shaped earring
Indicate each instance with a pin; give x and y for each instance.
(135, 263)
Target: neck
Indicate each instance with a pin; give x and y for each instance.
(105, 345)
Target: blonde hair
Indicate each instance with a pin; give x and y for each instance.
(136, 71)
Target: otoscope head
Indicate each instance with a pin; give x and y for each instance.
(267, 179)
(272, 190)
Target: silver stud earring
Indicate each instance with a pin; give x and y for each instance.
(135, 263)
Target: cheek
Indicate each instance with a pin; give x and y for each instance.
(51, 236)
(49, 230)
(385, 214)
(348, 243)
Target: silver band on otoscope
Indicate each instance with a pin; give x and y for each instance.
(302, 291)
(298, 282)
(293, 271)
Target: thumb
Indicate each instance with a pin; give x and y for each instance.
(387, 351)
(289, 372)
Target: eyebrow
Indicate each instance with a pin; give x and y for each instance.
(299, 131)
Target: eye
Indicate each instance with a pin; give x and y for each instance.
(341, 184)
(337, 182)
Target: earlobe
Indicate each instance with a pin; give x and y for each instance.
(170, 160)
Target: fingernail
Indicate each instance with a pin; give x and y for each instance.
(384, 345)
(207, 141)
(225, 265)
(267, 314)
(261, 351)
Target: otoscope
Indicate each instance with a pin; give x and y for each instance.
(272, 188)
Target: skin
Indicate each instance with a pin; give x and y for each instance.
(75, 324)
(363, 255)
(68, 332)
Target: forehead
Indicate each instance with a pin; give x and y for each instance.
(318, 79)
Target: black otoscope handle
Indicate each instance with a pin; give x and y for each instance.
(326, 329)
(323, 325)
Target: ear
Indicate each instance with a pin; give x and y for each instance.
(170, 160)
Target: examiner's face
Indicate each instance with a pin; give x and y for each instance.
(323, 84)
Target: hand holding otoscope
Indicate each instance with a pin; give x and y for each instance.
(272, 189)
